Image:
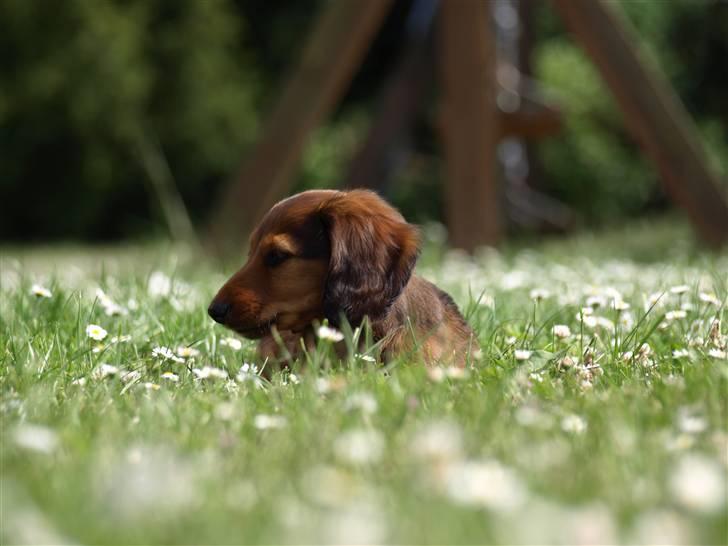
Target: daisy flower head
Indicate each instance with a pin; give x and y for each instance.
(187, 352)
(210, 372)
(361, 401)
(709, 298)
(165, 353)
(104, 370)
(265, 422)
(680, 289)
(329, 334)
(522, 354)
(169, 376)
(40, 291)
(234, 343)
(249, 372)
(596, 301)
(96, 332)
(159, 285)
(538, 294)
(675, 315)
(561, 331)
(573, 424)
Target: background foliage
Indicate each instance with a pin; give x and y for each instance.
(85, 86)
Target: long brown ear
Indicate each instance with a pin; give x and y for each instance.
(373, 253)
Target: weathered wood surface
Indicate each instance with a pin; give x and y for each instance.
(469, 124)
(336, 47)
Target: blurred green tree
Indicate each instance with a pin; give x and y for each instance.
(594, 165)
(84, 84)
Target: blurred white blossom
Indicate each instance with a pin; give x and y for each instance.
(699, 483)
(359, 446)
(234, 343)
(265, 422)
(329, 334)
(209, 372)
(35, 438)
(574, 424)
(40, 291)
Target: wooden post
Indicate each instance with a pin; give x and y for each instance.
(469, 123)
(334, 51)
(652, 112)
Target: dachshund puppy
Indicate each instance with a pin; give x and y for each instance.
(325, 254)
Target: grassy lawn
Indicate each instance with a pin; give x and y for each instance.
(596, 414)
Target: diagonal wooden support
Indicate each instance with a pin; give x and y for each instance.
(335, 49)
(469, 123)
(652, 112)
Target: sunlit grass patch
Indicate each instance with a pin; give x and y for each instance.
(594, 413)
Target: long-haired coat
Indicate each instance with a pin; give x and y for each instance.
(336, 255)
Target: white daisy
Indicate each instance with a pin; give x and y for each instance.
(169, 376)
(573, 424)
(159, 285)
(35, 438)
(96, 332)
(522, 354)
(104, 370)
(210, 372)
(265, 422)
(538, 294)
(709, 298)
(187, 352)
(698, 483)
(329, 334)
(561, 331)
(717, 353)
(40, 291)
(359, 446)
(362, 401)
(166, 353)
(234, 343)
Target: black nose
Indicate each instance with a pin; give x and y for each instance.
(218, 311)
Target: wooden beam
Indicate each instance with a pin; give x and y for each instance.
(652, 112)
(372, 165)
(335, 50)
(469, 123)
(531, 121)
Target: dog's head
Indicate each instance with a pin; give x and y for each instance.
(319, 254)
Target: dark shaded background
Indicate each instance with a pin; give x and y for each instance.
(87, 86)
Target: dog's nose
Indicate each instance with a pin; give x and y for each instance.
(218, 310)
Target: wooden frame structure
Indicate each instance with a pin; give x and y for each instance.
(471, 122)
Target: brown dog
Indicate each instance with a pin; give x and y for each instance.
(327, 254)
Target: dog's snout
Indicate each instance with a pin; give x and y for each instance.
(218, 311)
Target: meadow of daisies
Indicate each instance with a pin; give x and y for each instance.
(596, 412)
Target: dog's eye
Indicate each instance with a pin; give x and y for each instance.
(276, 257)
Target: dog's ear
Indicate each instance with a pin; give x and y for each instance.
(373, 253)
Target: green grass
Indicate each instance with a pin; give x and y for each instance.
(517, 451)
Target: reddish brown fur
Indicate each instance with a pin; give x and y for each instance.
(333, 255)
